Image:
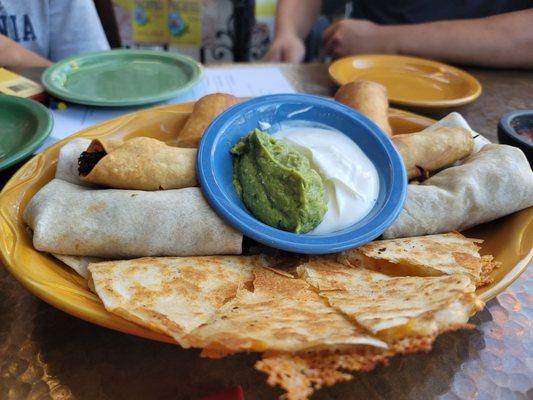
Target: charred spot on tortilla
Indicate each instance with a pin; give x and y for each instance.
(88, 160)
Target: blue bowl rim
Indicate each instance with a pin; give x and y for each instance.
(300, 243)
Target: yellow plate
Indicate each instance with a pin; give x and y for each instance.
(509, 239)
(410, 81)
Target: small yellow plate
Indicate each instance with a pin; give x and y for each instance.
(509, 239)
(410, 81)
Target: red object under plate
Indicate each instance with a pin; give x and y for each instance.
(234, 393)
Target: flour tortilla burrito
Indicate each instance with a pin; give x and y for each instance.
(109, 223)
(204, 112)
(490, 184)
(140, 163)
(431, 150)
(369, 98)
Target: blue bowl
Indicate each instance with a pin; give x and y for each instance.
(215, 169)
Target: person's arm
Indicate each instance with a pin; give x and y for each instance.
(13, 54)
(504, 40)
(294, 20)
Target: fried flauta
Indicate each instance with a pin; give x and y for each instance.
(140, 163)
(369, 98)
(428, 151)
(204, 112)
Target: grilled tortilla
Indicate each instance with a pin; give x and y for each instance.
(394, 307)
(489, 184)
(282, 314)
(117, 224)
(435, 255)
(406, 312)
(315, 327)
(171, 295)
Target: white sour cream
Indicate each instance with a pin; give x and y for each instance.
(351, 181)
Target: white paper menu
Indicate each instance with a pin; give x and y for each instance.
(239, 81)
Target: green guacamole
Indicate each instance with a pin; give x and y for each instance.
(277, 184)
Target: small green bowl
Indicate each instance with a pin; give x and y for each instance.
(24, 126)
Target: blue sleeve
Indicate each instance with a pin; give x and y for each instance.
(74, 28)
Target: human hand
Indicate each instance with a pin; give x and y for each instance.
(354, 36)
(286, 48)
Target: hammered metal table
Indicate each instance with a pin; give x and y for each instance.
(47, 354)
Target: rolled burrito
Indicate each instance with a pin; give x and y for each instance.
(109, 223)
(490, 184)
(368, 97)
(430, 150)
(140, 163)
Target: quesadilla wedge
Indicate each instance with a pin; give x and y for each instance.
(394, 307)
(171, 295)
(281, 314)
(434, 255)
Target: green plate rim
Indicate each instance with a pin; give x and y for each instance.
(60, 93)
(45, 122)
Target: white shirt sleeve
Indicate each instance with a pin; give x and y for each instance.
(75, 28)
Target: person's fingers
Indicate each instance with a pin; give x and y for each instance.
(330, 31)
(273, 54)
(332, 43)
(337, 52)
(293, 54)
(332, 37)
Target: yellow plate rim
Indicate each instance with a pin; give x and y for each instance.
(473, 82)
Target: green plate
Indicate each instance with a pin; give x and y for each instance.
(121, 77)
(24, 125)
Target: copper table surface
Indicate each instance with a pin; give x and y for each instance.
(45, 353)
